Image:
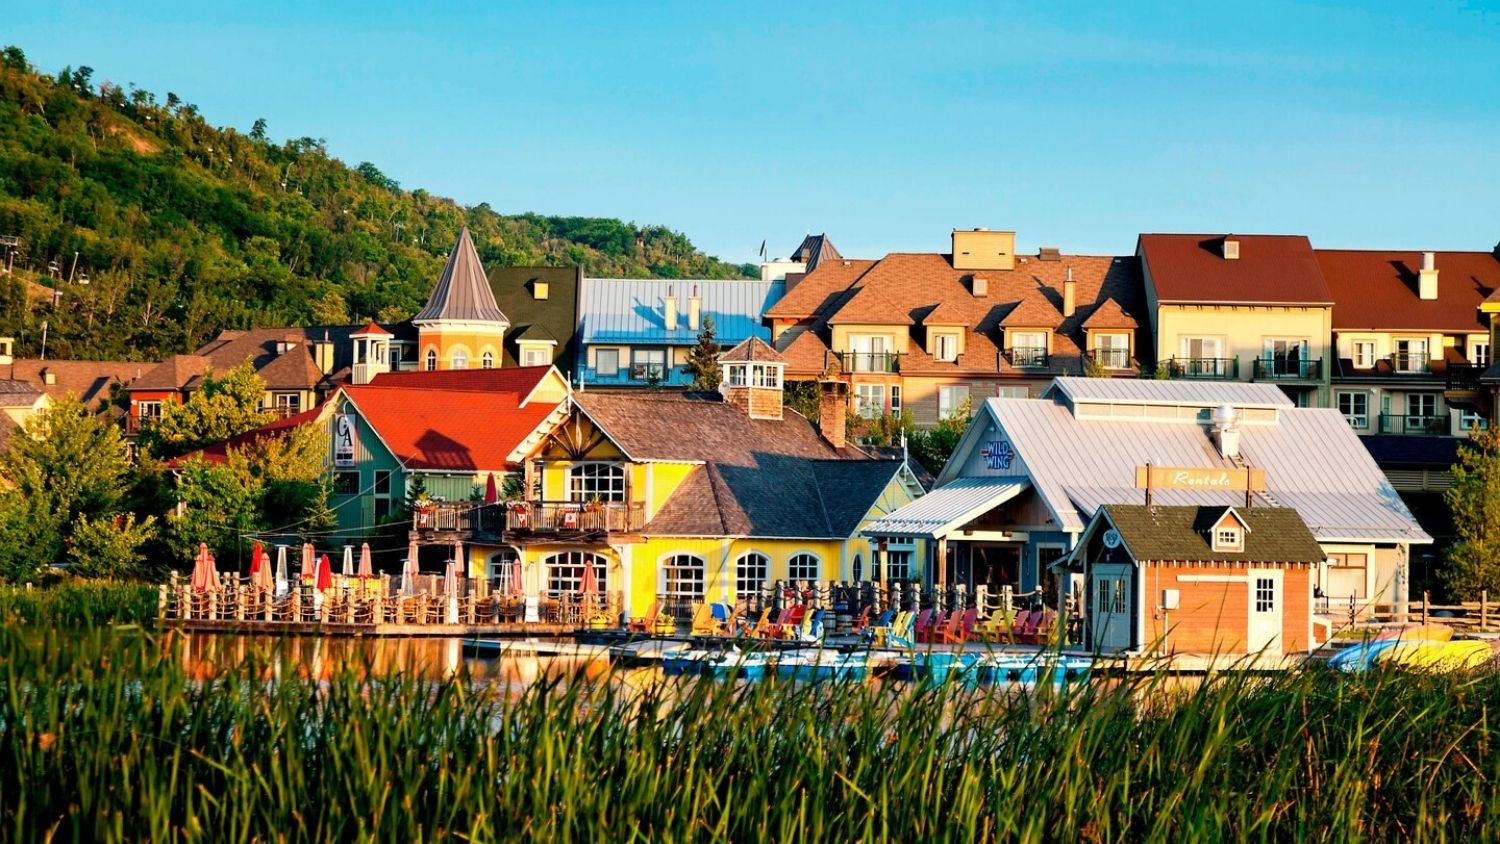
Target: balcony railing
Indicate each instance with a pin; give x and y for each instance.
(1288, 369)
(1030, 357)
(867, 361)
(1408, 423)
(533, 517)
(1219, 369)
(1111, 358)
(1406, 363)
(1463, 377)
(638, 375)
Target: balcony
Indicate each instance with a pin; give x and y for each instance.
(514, 521)
(1462, 377)
(1028, 357)
(636, 375)
(866, 361)
(1404, 363)
(1287, 369)
(1406, 423)
(1111, 359)
(1207, 369)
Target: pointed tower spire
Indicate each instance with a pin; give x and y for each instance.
(462, 292)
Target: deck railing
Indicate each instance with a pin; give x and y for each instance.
(531, 516)
(1463, 377)
(1220, 369)
(1410, 423)
(1288, 369)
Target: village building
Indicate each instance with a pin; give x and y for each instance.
(1222, 581)
(638, 332)
(809, 254)
(929, 333)
(1028, 475)
(1227, 307)
(542, 304)
(19, 401)
(461, 327)
(674, 498)
(98, 384)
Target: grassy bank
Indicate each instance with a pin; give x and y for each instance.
(79, 603)
(104, 738)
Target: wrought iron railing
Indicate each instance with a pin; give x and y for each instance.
(1288, 369)
(868, 361)
(1463, 376)
(1222, 369)
(1028, 356)
(1410, 423)
(1112, 358)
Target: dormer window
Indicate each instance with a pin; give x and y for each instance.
(539, 289)
(1229, 538)
(765, 376)
(945, 347)
(735, 375)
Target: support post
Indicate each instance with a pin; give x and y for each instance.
(1426, 600)
(161, 601)
(1484, 608)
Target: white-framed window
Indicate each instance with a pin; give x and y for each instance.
(896, 399)
(1410, 356)
(900, 560)
(751, 571)
(1285, 356)
(646, 364)
(460, 359)
(1479, 352)
(804, 566)
(869, 400)
(1028, 348)
(1112, 350)
(1421, 408)
(534, 357)
(1364, 354)
(602, 481)
(1228, 538)
(857, 569)
(870, 352)
(1472, 420)
(1202, 357)
(1265, 594)
(148, 410)
(1013, 392)
(431, 360)
(287, 404)
(765, 376)
(1120, 594)
(734, 375)
(945, 347)
(487, 360)
(565, 572)
(1356, 408)
(951, 399)
(684, 576)
(607, 362)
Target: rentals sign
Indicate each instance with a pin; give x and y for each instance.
(1174, 477)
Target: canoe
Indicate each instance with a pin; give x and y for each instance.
(1439, 657)
(1029, 668)
(1360, 657)
(1423, 632)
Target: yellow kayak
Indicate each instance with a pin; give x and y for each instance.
(1417, 632)
(1439, 657)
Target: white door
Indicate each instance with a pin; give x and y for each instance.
(1111, 618)
(1267, 601)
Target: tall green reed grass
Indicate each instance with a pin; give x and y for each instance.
(104, 737)
(79, 603)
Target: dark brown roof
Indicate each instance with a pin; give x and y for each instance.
(815, 293)
(1180, 534)
(462, 292)
(555, 317)
(1275, 269)
(89, 380)
(694, 427)
(174, 373)
(1375, 290)
(752, 350)
(814, 250)
(293, 368)
(14, 393)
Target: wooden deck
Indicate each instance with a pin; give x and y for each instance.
(335, 628)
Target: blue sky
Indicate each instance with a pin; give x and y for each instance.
(885, 125)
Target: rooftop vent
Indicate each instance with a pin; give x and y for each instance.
(1231, 248)
(1226, 430)
(980, 286)
(1427, 279)
(1049, 253)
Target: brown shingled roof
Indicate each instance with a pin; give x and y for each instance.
(1180, 534)
(751, 350)
(1377, 290)
(1032, 312)
(89, 380)
(1271, 269)
(820, 289)
(174, 373)
(1109, 314)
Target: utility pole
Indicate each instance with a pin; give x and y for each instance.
(74, 268)
(44, 340)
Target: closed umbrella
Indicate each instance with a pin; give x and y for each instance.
(589, 587)
(517, 587)
(458, 559)
(256, 552)
(309, 564)
(282, 587)
(201, 569)
(365, 569)
(348, 561)
(213, 573)
(409, 570)
(450, 578)
(491, 491)
(325, 573)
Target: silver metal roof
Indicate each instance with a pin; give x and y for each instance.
(1313, 461)
(1147, 391)
(944, 509)
(462, 292)
(630, 310)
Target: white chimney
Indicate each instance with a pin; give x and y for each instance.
(695, 309)
(1070, 294)
(669, 310)
(1427, 278)
(1226, 430)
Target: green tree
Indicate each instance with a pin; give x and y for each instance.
(219, 409)
(933, 447)
(1474, 556)
(703, 359)
(111, 547)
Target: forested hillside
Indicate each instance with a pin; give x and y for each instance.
(160, 229)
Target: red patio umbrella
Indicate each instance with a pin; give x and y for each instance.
(365, 569)
(202, 571)
(308, 563)
(589, 587)
(256, 552)
(325, 573)
(491, 492)
(517, 586)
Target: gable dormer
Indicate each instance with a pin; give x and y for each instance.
(1226, 533)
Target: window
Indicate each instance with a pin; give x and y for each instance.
(683, 576)
(565, 572)
(952, 399)
(1265, 594)
(487, 360)
(1112, 351)
(735, 375)
(858, 569)
(945, 347)
(345, 483)
(869, 400)
(803, 567)
(502, 571)
(1410, 356)
(1356, 409)
(869, 354)
(1228, 539)
(648, 364)
(751, 571)
(1013, 392)
(765, 376)
(604, 481)
(896, 399)
(535, 357)
(460, 359)
(607, 363)
(1120, 595)
(1364, 354)
(900, 559)
(1479, 352)
(431, 360)
(1421, 412)
(1106, 598)
(1028, 348)
(1284, 357)
(383, 483)
(148, 410)
(287, 404)
(1346, 576)
(1202, 357)
(1472, 420)
(382, 509)
(539, 290)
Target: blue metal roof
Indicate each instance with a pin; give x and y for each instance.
(629, 311)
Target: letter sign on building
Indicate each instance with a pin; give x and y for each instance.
(343, 441)
(997, 454)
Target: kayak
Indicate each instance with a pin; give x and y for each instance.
(938, 666)
(823, 665)
(1424, 632)
(1439, 657)
(1029, 668)
(735, 665)
(1360, 657)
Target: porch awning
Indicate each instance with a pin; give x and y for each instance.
(948, 508)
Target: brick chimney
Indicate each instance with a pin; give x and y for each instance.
(833, 411)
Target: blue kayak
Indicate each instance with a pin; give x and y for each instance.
(1360, 657)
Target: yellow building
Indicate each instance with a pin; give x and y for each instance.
(461, 327)
(1240, 308)
(682, 498)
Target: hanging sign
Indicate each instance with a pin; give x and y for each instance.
(1175, 477)
(343, 441)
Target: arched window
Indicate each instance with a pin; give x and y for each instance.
(859, 568)
(803, 566)
(431, 360)
(751, 571)
(604, 481)
(487, 360)
(460, 359)
(565, 572)
(683, 576)
(502, 570)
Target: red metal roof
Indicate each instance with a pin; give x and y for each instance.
(449, 430)
(1377, 290)
(1276, 269)
(515, 379)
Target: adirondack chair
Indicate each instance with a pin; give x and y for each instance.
(960, 627)
(1021, 627)
(725, 620)
(703, 620)
(862, 621)
(1042, 622)
(811, 629)
(647, 621)
(749, 628)
(882, 621)
(899, 635)
(790, 628)
(996, 627)
(921, 624)
(934, 626)
(767, 629)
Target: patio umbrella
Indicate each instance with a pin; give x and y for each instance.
(256, 553)
(450, 578)
(491, 492)
(281, 585)
(517, 587)
(201, 569)
(348, 561)
(325, 573)
(309, 564)
(458, 558)
(213, 573)
(365, 569)
(589, 587)
(409, 570)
